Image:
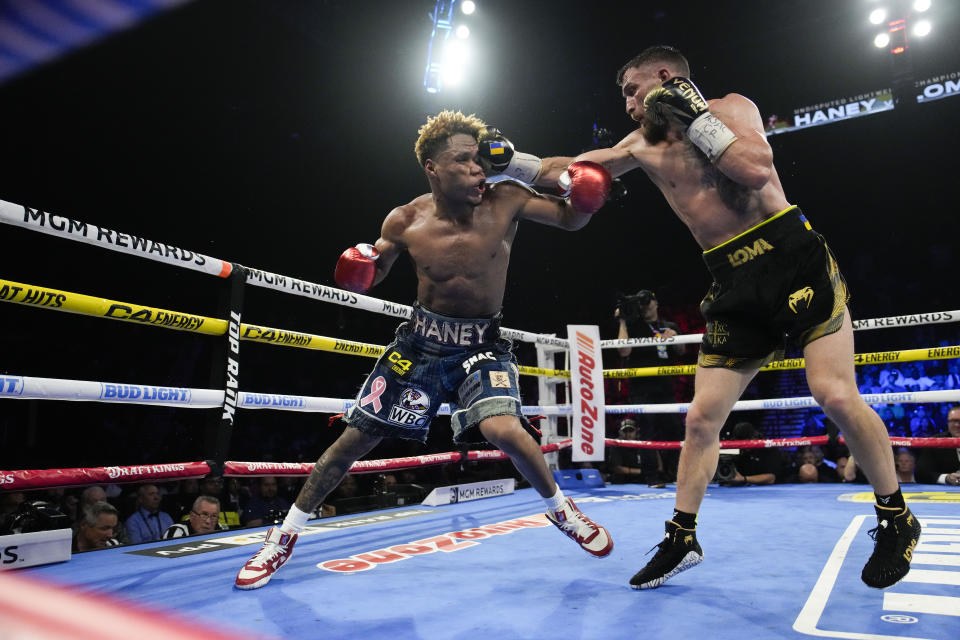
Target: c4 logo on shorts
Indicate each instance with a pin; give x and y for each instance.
(400, 365)
(802, 296)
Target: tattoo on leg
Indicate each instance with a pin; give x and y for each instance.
(324, 478)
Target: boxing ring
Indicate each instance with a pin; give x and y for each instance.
(782, 561)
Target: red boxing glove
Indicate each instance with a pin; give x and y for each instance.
(357, 268)
(586, 185)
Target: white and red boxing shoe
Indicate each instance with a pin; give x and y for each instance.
(276, 550)
(593, 538)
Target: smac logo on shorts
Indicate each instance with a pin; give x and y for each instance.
(410, 410)
(475, 358)
(747, 253)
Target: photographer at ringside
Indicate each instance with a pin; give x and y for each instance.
(639, 317)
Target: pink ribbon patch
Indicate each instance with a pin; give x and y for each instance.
(376, 390)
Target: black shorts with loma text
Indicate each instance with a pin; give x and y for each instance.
(775, 282)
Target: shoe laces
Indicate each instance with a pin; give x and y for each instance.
(884, 534)
(266, 554)
(577, 523)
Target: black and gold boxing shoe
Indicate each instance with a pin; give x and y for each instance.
(678, 551)
(895, 536)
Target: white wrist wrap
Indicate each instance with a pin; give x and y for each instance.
(368, 250)
(710, 136)
(563, 184)
(524, 167)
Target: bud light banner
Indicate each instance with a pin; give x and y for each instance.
(586, 393)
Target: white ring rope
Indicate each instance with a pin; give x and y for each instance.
(53, 224)
(31, 388)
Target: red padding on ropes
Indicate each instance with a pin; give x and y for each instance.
(252, 469)
(375, 466)
(922, 443)
(488, 454)
(724, 444)
(47, 478)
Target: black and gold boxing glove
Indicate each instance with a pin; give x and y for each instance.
(679, 99)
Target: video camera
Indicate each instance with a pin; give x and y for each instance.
(32, 516)
(726, 469)
(631, 307)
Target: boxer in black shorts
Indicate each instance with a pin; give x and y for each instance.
(774, 279)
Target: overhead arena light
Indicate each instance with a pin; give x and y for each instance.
(878, 15)
(922, 28)
(447, 56)
(882, 40)
(456, 55)
(921, 5)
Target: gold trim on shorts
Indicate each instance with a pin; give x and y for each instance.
(841, 296)
(754, 227)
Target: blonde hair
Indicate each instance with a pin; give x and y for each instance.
(438, 129)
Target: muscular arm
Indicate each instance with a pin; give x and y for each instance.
(390, 244)
(749, 160)
(618, 160)
(549, 210)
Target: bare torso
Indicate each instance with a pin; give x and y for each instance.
(461, 262)
(713, 206)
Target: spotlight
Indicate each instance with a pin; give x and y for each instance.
(455, 58)
(921, 5)
(922, 28)
(468, 6)
(463, 32)
(882, 40)
(878, 15)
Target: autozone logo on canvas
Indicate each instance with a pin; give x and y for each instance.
(447, 542)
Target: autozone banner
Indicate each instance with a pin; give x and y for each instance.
(586, 392)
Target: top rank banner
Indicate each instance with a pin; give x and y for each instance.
(586, 393)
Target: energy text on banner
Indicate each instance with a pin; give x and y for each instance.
(586, 392)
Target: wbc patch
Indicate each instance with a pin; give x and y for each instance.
(410, 409)
(500, 379)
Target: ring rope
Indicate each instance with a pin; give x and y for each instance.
(31, 388)
(26, 480)
(55, 299)
(53, 224)
(859, 359)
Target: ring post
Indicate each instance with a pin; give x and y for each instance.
(225, 371)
